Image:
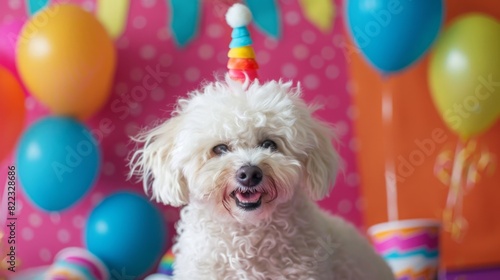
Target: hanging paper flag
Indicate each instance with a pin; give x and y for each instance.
(113, 15)
(35, 5)
(321, 13)
(266, 16)
(185, 20)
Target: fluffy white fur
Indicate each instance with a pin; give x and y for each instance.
(288, 236)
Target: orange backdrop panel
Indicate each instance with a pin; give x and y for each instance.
(416, 121)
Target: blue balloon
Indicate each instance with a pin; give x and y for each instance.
(58, 161)
(127, 233)
(393, 34)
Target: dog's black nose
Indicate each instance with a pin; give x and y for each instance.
(249, 176)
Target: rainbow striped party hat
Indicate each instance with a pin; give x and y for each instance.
(241, 64)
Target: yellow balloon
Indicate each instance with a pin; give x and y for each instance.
(464, 74)
(67, 60)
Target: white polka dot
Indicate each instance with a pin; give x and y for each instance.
(163, 34)
(354, 144)
(121, 88)
(338, 40)
(332, 72)
(352, 179)
(344, 206)
(132, 129)
(166, 60)
(341, 128)
(55, 217)
(27, 234)
(45, 255)
(263, 57)
(148, 52)
(79, 221)
(14, 4)
(139, 22)
(205, 51)
(121, 150)
(292, 18)
(350, 86)
(192, 74)
(148, 3)
(174, 80)
(35, 220)
(29, 103)
(332, 101)
(352, 112)
(316, 62)
(63, 236)
(328, 52)
(88, 6)
(270, 43)
(308, 37)
(136, 74)
(311, 81)
(108, 168)
(300, 52)
(122, 43)
(360, 204)
(97, 197)
(20, 206)
(136, 109)
(215, 30)
(289, 70)
(158, 94)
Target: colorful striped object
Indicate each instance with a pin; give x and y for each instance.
(410, 247)
(167, 264)
(76, 264)
(242, 64)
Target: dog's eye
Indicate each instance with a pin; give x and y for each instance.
(220, 149)
(269, 144)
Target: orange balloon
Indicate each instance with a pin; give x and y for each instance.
(12, 111)
(67, 60)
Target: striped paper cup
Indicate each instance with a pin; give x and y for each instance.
(410, 247)
(76, 264)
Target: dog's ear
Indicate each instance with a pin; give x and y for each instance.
(322, 162)
(155, 164)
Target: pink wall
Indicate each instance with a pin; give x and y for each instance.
(303, 54)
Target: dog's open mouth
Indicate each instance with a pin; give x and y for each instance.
(247, 199)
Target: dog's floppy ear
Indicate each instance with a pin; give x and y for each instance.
(154, 163)
(322, 162)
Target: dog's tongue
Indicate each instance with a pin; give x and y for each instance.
(248, 197)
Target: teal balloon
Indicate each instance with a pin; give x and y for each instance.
(58, 162)
(127, 233)
(394, 34)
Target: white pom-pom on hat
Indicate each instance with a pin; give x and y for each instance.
(238, 15)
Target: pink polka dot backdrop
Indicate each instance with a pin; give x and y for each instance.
(303, 54)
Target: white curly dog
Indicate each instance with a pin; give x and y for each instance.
(248, 162)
